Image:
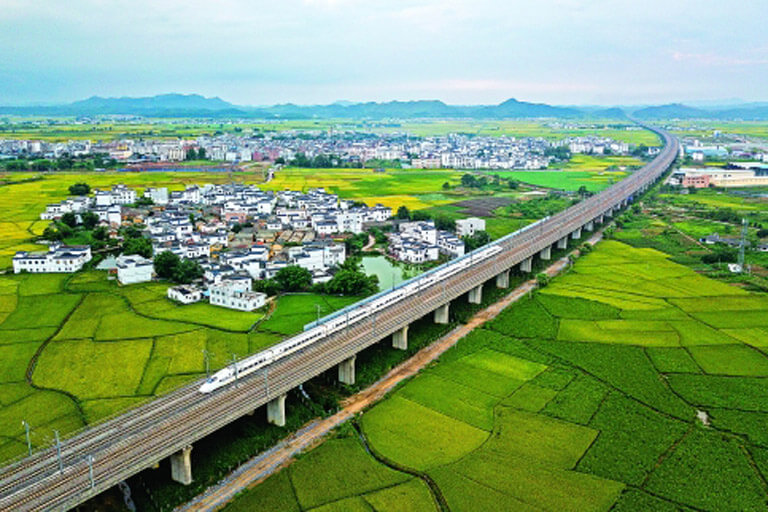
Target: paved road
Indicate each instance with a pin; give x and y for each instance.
(143, 436)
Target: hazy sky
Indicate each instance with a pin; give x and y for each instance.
(319, 51)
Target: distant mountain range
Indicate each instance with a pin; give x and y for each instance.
(194, 105)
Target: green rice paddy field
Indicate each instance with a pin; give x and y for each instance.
(75, 349)
(583, 397)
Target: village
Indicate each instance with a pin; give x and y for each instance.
(237, 234)
(334, 148)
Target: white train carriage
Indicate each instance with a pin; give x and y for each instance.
(348, 316)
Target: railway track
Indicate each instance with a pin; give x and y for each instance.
(141, 437)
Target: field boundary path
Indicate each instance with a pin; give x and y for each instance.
(262, 466)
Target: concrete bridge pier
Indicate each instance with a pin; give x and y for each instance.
(276, 411)
(562, 243)
(476, 294)
(502, 280)
(526, 265)
(609, 213)
(600, 219)
(441, 314)
(576, 234)
(546, 253)
(589, 226)
(347, 371)
(400, 338)
(181, 466)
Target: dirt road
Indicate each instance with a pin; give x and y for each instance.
(262, 466)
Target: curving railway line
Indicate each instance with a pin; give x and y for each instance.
(143, 436)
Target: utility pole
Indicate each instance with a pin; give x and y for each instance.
(237, 370)
(90, 470)
(58, 451)
(26, 434)
(207, 363)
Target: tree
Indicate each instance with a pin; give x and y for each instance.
(542, 279)
(479, 239)
(583, 192)
(403, 213)
(355, 243)
(268, 286)
(52, 234)
(165, 264)
(100, 233)
(191, 154)
(446, 186)
(467, 180)
(131, 232)
(201, 154)
(80, 189)
(445, 223)
(293, 278)
(144, 201)
(89, 219)
(352, 282)
(187, 271)
(70, 219)
(762, 233)
(141, 246)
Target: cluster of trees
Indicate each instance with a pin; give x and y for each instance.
(321, 162)
(179, 270)
(472, 181)
(63, 163)
(80, 189)
(196, 155)
(641, 151)
(562, 153)
(69, 225)
(723, 215)
(721, 254)
(134, 242)
(479, 239)
(349, 279)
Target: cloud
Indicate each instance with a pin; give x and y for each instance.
(712, 59)
(260, 51)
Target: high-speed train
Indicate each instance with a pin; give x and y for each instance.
(354, 313)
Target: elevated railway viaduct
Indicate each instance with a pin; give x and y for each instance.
(105, 454)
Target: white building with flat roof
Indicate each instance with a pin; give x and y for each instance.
(185, 293)
(235, 293)
(158, 195)
(134, 269)
(469, 226)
